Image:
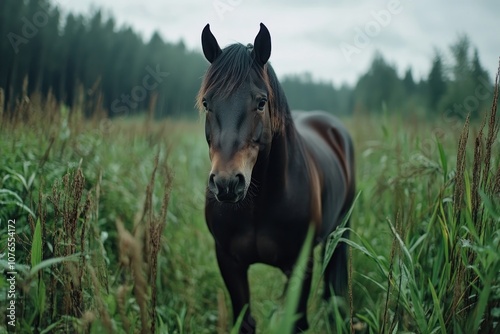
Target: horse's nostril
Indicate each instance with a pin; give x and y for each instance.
(211, 183)
(240, 183)
(227, 188)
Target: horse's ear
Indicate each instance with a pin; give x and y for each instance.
(211, 48)
(262, 45)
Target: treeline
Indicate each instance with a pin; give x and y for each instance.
(456, 86)
(76, 58)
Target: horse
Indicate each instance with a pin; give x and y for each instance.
(273, 173)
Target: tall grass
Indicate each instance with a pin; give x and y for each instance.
(94, 247)
(110, 235)
(442, 272)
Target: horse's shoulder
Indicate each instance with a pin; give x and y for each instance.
(325, 134)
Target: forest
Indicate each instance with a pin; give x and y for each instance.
(103, 183)
(114, 69)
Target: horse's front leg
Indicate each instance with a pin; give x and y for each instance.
(236, 279)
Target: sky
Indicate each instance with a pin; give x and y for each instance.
(335, 41)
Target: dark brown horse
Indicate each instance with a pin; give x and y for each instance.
(273, 174)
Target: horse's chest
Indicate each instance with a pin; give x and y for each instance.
(258, 246)
(273, 239)
(262, 246)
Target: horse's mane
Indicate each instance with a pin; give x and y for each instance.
(232, 68)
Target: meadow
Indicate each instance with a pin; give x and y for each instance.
(110, 234)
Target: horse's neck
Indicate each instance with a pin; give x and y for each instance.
(282, 155)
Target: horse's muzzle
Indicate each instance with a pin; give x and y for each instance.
(227, 188)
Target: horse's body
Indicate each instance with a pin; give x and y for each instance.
(272, 174)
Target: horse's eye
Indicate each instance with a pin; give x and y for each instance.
(205, 104)
(262, 105)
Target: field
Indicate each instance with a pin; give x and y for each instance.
(109, 223)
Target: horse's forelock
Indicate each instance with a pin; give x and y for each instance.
(232, 68)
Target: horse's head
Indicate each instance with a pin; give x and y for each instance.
(234, 96)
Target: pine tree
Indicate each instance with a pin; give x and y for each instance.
(436, 81)
(408, 82)
(380, 86)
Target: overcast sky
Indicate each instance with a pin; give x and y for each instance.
(333, 40)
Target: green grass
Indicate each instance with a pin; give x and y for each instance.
(425, 230)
